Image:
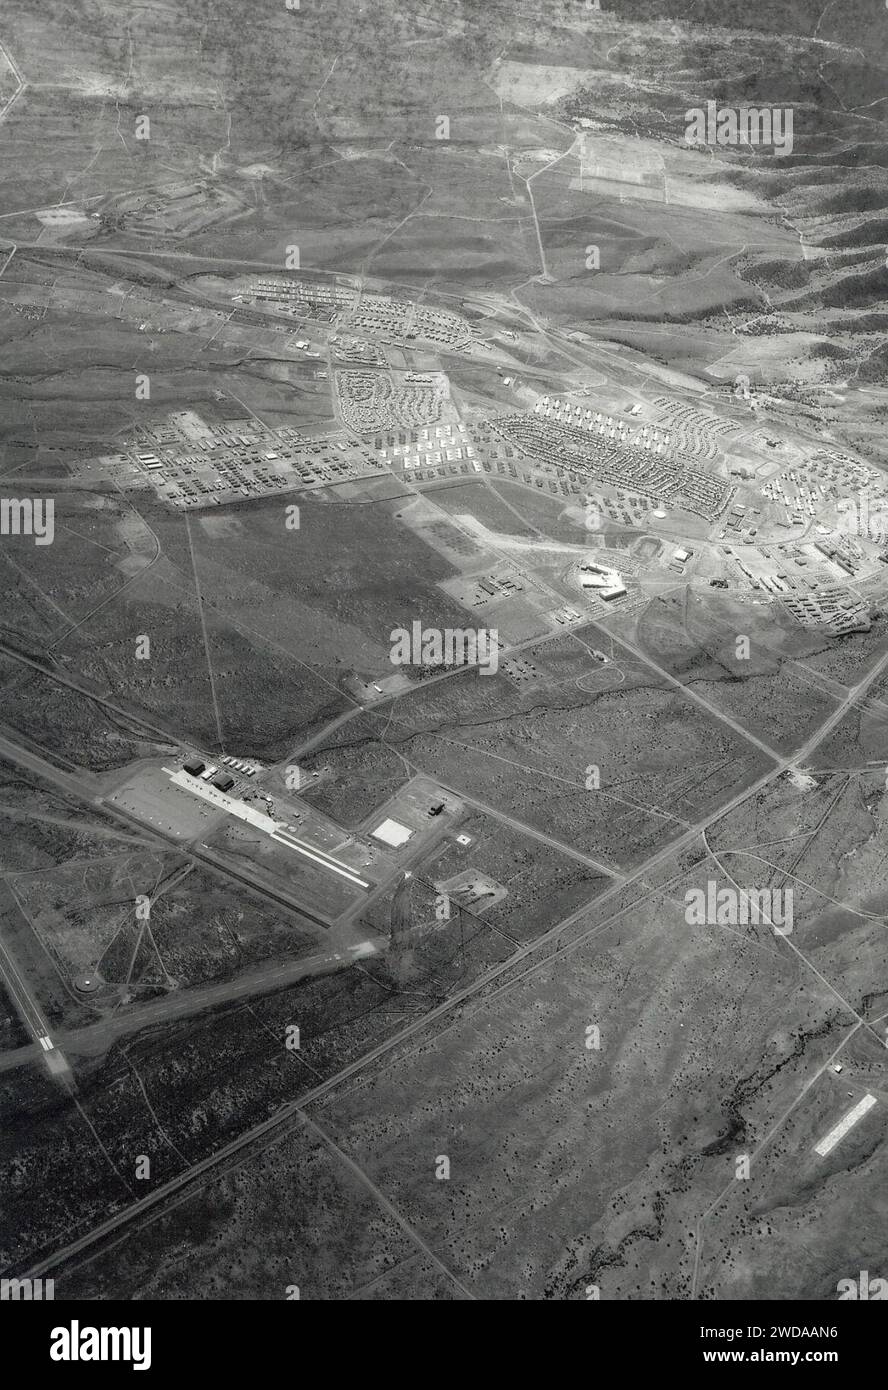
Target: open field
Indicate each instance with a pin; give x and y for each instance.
(529, 753)
(334, 970)
(524, 1214)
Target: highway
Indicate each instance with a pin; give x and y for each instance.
(573, 929)
(85, 787)
(172, 1007)
(269, 1128)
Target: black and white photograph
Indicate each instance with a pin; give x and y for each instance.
(444, 664)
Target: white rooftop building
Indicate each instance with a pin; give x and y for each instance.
(391, 832)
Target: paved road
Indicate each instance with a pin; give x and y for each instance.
(168, 1007)
(271, 1126)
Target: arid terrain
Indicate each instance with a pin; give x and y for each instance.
(443, 649)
